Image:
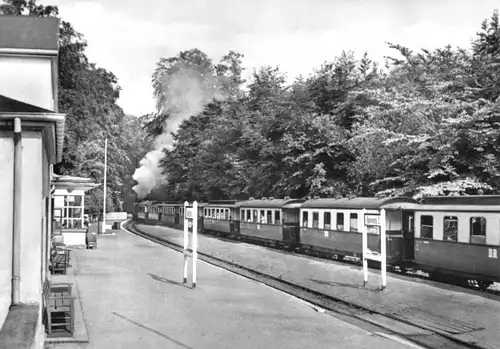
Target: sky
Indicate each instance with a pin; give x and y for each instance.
(128, 37)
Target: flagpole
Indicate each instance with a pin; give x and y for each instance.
(103, 229)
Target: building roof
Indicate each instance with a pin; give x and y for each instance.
(56, 119)
(70, 182)
(24, 33)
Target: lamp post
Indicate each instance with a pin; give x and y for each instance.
(103, 228)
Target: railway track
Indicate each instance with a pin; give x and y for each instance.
(309, 252)
(395, 328)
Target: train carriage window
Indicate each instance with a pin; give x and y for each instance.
(327, 220)
(227, 214)
(340, 221)
(315, 219)
(242, 215)
(427, 227)
(450, 228)
(305, 218)
(249, 215)
(478, 230)
(277, 219)
(269, 218)
(255, 216)
(353, 222)
(262, 216)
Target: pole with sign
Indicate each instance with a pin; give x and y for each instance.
(375, 224)
(190, 225)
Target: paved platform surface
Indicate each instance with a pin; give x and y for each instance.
(468, 315)
(132, 298)
(80, 334)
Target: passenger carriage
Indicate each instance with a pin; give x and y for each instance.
(270, 219)
(141, 210)
(221, 217)
(169, 214)
(459, 235)
(335, 226)
(153, 213)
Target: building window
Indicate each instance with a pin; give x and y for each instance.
(353, 222)
(427, 227)
(71, 214)
(450, 228)
(340, 221)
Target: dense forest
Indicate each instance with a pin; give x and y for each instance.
(425, 123)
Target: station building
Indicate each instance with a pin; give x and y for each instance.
(31, 142)
(68, 200)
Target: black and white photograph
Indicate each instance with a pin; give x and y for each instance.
(249, 174)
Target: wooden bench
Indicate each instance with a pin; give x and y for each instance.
(91, 240)
(58, 304)
(59, 260)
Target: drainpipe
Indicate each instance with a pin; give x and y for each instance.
(16, 240)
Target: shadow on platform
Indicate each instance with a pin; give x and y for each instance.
(152, 330)
(167, 281)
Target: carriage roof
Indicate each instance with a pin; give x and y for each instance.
(356, 203)
(269, 203)
(483, 200)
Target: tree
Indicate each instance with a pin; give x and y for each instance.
(88, 96)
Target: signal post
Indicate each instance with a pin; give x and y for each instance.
(190, 225)
(375, 224)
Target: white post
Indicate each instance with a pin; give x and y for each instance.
(186, 242)
(83, 210)
(103, 228)
(195, 240)
(383, 249)
(365, 249)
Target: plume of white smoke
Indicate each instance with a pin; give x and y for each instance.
(188, 91)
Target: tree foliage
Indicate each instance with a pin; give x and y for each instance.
(428, 124)
(88, 95)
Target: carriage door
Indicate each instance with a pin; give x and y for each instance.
(177, 216)
(408, 235)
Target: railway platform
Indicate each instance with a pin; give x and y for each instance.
(469, 316)
(132, 296)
